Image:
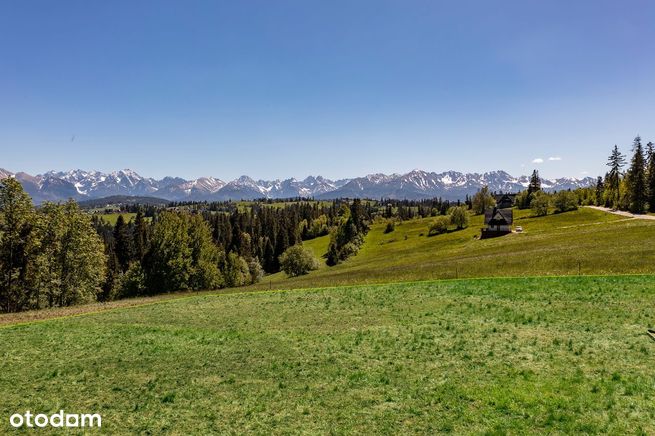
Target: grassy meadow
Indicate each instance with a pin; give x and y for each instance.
(586, 241)
(494, 356)
(110, 218)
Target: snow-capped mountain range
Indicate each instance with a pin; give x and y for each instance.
(417, 184)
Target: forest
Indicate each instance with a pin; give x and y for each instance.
(59, 254)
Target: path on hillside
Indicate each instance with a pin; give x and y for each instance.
(623, 213)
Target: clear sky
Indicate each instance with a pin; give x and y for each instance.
(282, 88)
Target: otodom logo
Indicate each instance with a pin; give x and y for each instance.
(59, 419)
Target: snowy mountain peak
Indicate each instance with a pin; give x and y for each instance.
(416, 184)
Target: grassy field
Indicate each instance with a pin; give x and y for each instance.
(582, 242)
(469, 356)
(111, 218)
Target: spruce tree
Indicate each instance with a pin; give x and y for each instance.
(616, 161)
(600, 188)
(123, 243)
(637, 182)
(269, 260)
(650, 174)
(140, 237)
(535, 183)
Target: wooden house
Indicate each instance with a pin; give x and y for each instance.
(498, 220)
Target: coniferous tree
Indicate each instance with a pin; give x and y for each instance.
(140, 237)
(650, 174)
(269, 262)
(600, 188)
(122, 243)
(616, 161)
(535, 184)
(637, 180)
(110, 287)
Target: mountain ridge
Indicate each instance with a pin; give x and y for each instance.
(416, 184)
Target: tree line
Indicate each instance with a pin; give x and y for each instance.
(59, 255)
(631, 189)
(634, 189)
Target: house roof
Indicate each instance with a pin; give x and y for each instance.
(505, 201)
(495, 216)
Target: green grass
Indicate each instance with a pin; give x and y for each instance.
(586, 241)
(111, 218)
(468, 356)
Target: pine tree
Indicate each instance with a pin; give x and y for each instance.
(616, 161)
(637, 185)
(140, 237)
(269, 260)
(535, 183)
(650, 174)
(110, 287)
(600, 188)
(122, 243)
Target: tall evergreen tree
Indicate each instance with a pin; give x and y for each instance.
(637, 182)
(616, 161)
(600, 189)
(122, 243)
(268, 261)
(535, 183)
(112, 277)
(140, 237)
(650, 174)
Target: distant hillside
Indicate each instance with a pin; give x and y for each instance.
(559, 244)
(417, 184)
(116, 200)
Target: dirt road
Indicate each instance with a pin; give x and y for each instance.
(623, 213)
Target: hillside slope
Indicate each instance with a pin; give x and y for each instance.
(585, 241)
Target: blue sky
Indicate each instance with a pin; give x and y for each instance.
(340, 88)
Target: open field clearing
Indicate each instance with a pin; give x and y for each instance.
(586, 241)
(519, 355)
(110, 218)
